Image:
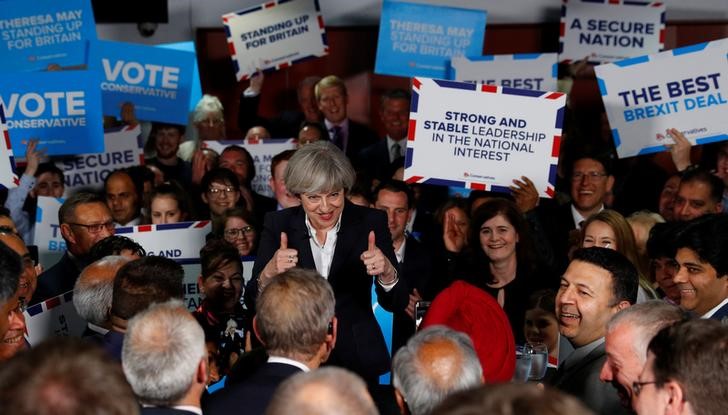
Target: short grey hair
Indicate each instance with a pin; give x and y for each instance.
(207, 104)
(162, 349)
(646, 319)
(326, 391)
(413, 375)
(318, 167)
(91, 294)
(293, 313)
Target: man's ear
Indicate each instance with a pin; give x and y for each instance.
(202, 375)
(331, 335)
(401, 403)
(256, 330)
(272, 184)
(676, 404)
(622, 305)
(204, 197)
(610, 183)
(67, 233)
(200, 284)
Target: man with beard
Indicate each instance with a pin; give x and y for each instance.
(628, 333)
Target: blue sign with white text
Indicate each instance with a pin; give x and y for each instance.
(38, 34)
(156, 80)
(62, 109)
(196, 92)
(420, 39)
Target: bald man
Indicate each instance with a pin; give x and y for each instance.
(435, 363)
(93, 292)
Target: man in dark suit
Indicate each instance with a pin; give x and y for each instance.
(350, 136)
(296, 324)
(378, 160)
(84, 220)
(597, 284)
(702, 259)
(165, 360)
(396, 198)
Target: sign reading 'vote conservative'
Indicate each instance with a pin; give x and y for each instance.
(685, 88)
(156, 80)
(275, 35)
(420, 40)
(36, 34)
(610, 30)
(482, 137)
(61, 109)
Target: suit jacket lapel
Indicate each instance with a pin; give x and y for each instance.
(299, 239)
(345, 240)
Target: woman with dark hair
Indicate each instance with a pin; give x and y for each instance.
(237, 227)
(220, 313)
(168, 203)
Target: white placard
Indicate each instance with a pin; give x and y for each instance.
(47, 234)
(482, 136)
(53, 317)
(610, 31)
(274, 35)
(534, 71)
(685, 88)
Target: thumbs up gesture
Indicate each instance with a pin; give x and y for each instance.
(283, 259)
(376, 263)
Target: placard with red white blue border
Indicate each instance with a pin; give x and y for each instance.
(62, 109)
(54, 317)
(124, 148)
(610, 30)
(39, 33)
(684, 88)
(534, 71)
(275, 35)
(47, 231)
(156, 80)
(8, 178)
(420, 39)
(262, 150)
(482, 137)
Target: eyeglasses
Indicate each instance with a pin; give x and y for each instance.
(592, 175)
(219, 191)
(96, 227)
(637, 386)
(234, 232)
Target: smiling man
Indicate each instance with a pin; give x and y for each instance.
(379, 159)
(702, 260)
(598, 283)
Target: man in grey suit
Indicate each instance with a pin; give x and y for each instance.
(598, 283)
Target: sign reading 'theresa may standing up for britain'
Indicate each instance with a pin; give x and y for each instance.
(275, 35)
(481, 136)
(685, 88)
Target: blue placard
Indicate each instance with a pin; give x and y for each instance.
(156, 80)
(62, 109)
(196, 92)
(420, 40)
(39, 33)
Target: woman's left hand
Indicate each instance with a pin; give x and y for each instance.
(376, 263)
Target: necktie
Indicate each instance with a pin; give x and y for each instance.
(396, 151)
(337, 137)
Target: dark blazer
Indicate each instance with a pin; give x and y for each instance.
(360, 137)
(556, 222)
(159, 410)
(416, 271)
(360, 345)
(374, 160)
(252, 396)
(112, 342)
(581, 379)
(721, 314)
(56, 280)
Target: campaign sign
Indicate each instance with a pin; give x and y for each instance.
(196, 90)
(178, 241)
(420, 39)
(124, 148)
(482, 137)
(534, 71)
(262, 150)
(8, 178)
(275, 35)
(61, 109)
(39, 33)
(47, 232)
(52, 318)
(610, 30)
(157, 81)
(685, 88)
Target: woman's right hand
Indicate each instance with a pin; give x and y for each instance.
(283, 259)
(453, 237)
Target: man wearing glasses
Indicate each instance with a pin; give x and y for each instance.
(84, 220)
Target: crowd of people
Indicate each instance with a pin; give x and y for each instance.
(629, 295)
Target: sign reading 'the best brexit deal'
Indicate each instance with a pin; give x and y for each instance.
(605, 31)
(420, 40)
(482, 137)
(534, 71)
(61, 109)
(156, 80)
(39, 33)
(685, 88)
